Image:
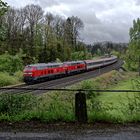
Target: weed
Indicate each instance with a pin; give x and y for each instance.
(6, 79)
(12, 104)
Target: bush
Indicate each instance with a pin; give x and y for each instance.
(6, 79)
(10, 64)
(12, 104)
(90, 85)
(27, 107)
(19, 75)
(81, 55)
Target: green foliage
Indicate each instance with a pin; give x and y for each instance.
(89, 85)
(116, 107)
(10, 64)
(6, 79)
(19, 75)
(59, 106)
(133, 53)
(103, 48)
(2, 33)
(3, 7)
(12, 104)
(48, 108)
(116, 53)
(40, 41)
(55, 51)
(80, 55)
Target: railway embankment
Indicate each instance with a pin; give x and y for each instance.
(58, 106)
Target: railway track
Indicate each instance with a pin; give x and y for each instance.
(62, 82)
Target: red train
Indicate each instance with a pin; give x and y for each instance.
(42, 71)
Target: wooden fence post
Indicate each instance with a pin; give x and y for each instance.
(80, 107)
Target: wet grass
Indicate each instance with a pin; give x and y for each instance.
(117, 107)
(60, 106)
(6, 79)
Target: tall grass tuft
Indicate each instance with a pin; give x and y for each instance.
(6, 79)
(12, 104)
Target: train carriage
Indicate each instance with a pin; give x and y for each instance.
(92, 64)
(41, 71)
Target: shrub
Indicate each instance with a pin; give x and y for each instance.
(90, 85)
(19, 75)
(6, 79)
(12, 104)
(81, 55)
(10, 64)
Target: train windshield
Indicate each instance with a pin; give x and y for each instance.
(29, 68)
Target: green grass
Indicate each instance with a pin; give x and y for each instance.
(117, 107)
(51, 107)
(6, 79)
(60, 106)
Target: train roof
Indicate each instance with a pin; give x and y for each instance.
(69, 62)
(102, 59)
(44, 64)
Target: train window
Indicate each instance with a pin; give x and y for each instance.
(40, 67)
(74, 64)
(94, 63)
(107, 60)
(54, 66)
(49, 66)
(29, 68)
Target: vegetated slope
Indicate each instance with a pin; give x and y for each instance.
(59, 106)
(116, 107)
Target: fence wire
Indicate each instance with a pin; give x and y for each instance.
(61, 89)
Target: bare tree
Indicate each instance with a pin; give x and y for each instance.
(13, 25)
(59, 27)
(34, 14)
(72, 27)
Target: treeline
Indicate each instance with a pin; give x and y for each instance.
(35, 36)
(42, 37)
(107, 47)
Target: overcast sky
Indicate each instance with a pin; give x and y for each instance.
(104, 20)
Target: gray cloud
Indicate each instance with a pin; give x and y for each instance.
(105, 32)
(137, 2)
(46, 3)
(104, 20)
